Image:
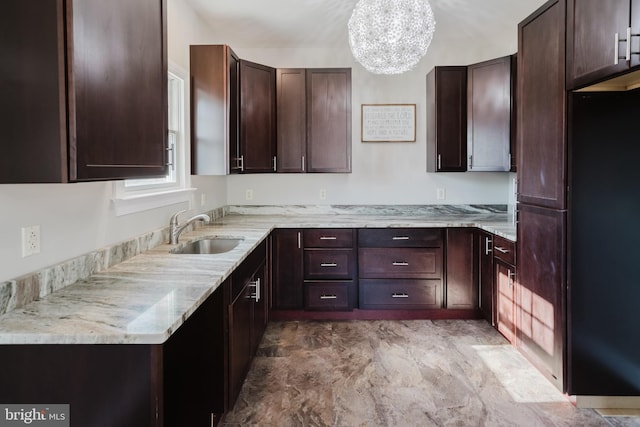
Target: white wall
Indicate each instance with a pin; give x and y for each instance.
(382, 173)
(78, 218)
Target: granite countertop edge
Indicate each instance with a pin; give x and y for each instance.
(144, 299)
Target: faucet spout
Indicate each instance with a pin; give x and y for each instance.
(176, 229)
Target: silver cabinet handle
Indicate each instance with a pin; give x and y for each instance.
(302, 163)
(399, 295)
(487, 245)
(256, 285)
(616, 48)
(328, 264)
(299, 239)
(512, 277)
(628, 50)
(328, 297)
(400, 238)
(328, 238)
(439, 162)
(274, 163)
(501, 250)
(400, 263)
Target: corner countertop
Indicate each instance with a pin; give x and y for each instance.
(144, 299)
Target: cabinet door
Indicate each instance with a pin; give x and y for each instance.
(287, 289)
(214, 110)
(257, 117)
(542, 112)
(240, 340)
(541, 263)
(291, 119)
(117, 89)
(447, 119)
(506, 300)
(489, 115)
(329, 120)
(592, 51)
(485, 267)
(461, 269)
(194, 367)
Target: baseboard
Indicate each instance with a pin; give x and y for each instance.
(608, 402)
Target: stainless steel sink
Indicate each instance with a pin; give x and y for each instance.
(214, 245)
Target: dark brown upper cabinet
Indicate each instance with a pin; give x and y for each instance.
(291, 99)
(447, 119)
(85, 97)
(257, 118)
(542, 108)
(598, 45)
(314, 120)
(328, 119)
(214, 109)
(490, 115)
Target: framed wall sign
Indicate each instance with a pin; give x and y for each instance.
(388, 122)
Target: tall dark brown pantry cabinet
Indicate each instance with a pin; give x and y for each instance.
(84, 90)
(541, 281)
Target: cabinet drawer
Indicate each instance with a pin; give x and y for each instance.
(407, 263)
(400, 237)
(504, 250)
(329, 264)
(328, 238)
(400, 294)
(329, 295)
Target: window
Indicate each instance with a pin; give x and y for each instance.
(134, 195)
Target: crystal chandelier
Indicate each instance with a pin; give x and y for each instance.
(390, 36)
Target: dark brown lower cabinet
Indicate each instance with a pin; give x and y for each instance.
(461, 269)
(248, 316)
(287, 271)
(179, 382)
(505, 286)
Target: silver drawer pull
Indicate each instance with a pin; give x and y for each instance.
(400, 263)
(501, 250)
(328, 238)
(328, 264)
(401, 295)
(328, 297)
(400, 238)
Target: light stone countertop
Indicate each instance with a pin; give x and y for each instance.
(144, 299)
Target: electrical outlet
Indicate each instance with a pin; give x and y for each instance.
(440, 194)
(248, 194)
(323, 194)
(30, 240)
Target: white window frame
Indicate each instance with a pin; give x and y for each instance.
(136, 195)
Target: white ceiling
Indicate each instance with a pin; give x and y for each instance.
(323, 23)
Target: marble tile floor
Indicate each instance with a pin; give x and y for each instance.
(399, 373)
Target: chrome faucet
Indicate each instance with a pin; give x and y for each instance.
(175, 229)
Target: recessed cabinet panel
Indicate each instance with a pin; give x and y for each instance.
(329, 120)
(291, 119)
(329, 264)
(461, 269)
(418, 263)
